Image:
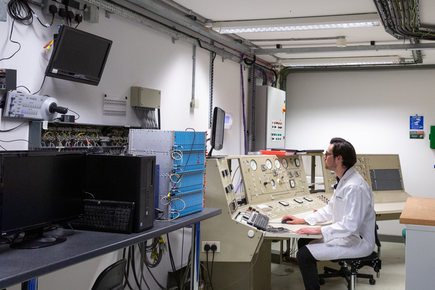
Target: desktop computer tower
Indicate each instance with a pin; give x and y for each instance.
(124, 178)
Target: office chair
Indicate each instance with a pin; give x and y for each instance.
(355, 264)
(112, 277)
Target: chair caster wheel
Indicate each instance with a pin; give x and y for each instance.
(372, 281)
(322, 281)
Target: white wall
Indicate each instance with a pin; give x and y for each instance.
(371, 109)
(139, 57)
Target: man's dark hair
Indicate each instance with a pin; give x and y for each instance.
(345, 149)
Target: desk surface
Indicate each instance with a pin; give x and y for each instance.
(419, 211)
(17, 265)
(380, 208)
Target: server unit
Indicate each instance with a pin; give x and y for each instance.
(124, 178)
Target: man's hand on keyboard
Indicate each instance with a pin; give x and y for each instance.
(309, 231)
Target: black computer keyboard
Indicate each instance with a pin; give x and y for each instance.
(258, 220)
(106, 216)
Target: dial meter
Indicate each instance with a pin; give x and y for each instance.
(253, 164)
(284, 163)
(277, 164)
(297, 162)
(268, 164)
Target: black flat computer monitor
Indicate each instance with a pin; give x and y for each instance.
(78, 56)
(37, 190)
(217, 130)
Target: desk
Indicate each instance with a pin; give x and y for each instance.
(384, 211)
(418, 215)
(388, 211)
(17, 266)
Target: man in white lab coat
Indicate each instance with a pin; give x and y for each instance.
(351, 210)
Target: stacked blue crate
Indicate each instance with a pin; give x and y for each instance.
(188, 173)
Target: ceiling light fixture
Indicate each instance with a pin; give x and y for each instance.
(351, 61)
(298, 28)
(298, 24)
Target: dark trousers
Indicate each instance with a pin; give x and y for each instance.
(308, 266)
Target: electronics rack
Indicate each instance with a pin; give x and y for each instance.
(77, 137)
(181, 159)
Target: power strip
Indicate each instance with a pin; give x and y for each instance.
(59, 10)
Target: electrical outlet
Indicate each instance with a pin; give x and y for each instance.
(211, 243)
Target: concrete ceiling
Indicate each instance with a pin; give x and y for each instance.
(234, 10)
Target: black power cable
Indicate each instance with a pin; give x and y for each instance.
(171, 258)
(126, 272)
(133, 266)
(13, 41)
(8, 130)
(213, 248)
(21, 11)
(250, 62)
(207, 249)
(142, 263)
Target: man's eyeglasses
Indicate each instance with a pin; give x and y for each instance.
(327, 154)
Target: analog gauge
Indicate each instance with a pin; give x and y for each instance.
(359, 168)
(253, 165)
(359, 160)
(292, 183)
(284, 163)
(277, 164)
(297, 162)
(268, 164)
(272, 182)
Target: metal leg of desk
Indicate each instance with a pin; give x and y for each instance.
(194, 270)
(30, 285)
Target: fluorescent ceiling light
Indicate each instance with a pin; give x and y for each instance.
(298, 24)
(351, 61)
(298, 28)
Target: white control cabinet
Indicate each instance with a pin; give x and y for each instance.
(269, 118)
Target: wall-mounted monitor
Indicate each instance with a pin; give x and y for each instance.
(217, 130)
(78, 56)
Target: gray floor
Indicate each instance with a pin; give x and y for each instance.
(392, 273)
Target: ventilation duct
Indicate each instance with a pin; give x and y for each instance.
(401, 19)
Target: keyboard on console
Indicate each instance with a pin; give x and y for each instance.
(106, 216)
(258, 220)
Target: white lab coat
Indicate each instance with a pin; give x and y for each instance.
(351, 210)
